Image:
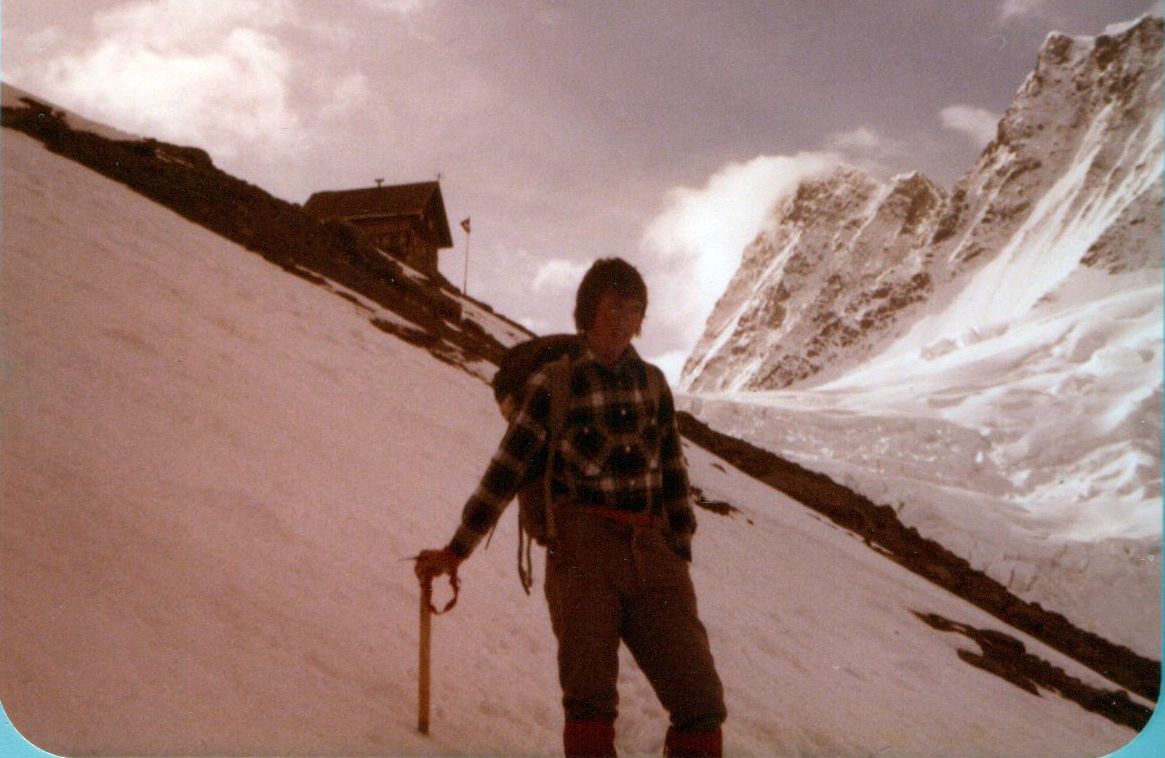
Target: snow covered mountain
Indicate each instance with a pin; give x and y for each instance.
(213, 473)
(995, 351)
(1070, 185)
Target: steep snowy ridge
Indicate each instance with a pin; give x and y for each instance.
(1002, 357)
(1076, 166)
(1073, 176)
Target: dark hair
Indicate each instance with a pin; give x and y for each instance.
(606, 275)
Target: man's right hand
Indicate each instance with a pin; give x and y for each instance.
(434, 563)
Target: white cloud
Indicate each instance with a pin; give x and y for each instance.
(862, 138)
(671, 363)
(1011, 9)
(403, 7)
(559, 274)
(536, 325)
(346, 92)
(977, 123)
(213, 73)
(869, 151)
(695, 244)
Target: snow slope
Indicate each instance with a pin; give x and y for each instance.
(212, 474)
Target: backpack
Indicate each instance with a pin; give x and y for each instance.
(535, 508)
(535, 516)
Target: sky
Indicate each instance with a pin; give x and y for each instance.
(660, 132)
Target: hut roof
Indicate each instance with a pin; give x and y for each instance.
(419, 199)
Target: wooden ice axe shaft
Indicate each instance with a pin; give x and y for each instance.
(423, 668)
(423, 664)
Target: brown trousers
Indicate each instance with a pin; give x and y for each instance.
(608, 582)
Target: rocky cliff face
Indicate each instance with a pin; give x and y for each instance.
(843, 256)
(849, 265)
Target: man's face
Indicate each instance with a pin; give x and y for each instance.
(617, 322)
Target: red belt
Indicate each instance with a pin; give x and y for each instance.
(622, 517)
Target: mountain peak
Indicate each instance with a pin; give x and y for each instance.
(848, 264)
(834, 196)
(1145, 22)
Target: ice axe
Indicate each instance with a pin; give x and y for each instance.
(428, 610)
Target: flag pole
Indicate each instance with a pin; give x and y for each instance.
(465, 285)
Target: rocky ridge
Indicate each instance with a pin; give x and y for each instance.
(330, 254)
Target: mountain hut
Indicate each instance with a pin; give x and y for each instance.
(406, 221)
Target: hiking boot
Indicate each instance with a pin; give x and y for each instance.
(704, 744)
(589, 739)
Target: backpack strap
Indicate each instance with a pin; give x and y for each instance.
(559, 401)
(654, 386)
(654, 393)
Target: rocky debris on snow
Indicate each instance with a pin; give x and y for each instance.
(719, 507)
(1006, 657)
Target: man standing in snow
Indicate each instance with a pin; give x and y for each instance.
(616, 568)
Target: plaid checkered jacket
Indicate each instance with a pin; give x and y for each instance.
(615, 451)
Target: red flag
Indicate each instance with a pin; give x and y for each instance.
(465, 225)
